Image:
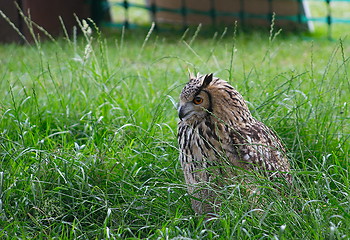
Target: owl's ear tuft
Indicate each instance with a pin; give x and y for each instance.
(207, 80)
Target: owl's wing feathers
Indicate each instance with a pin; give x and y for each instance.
(259, 148)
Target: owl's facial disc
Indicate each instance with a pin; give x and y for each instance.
(197, 107)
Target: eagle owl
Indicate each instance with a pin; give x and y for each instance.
(218, 135)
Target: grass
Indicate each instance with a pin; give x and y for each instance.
(88, 136)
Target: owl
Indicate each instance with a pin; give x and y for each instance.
(218, 137)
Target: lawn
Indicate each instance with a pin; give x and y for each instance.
(88, 135)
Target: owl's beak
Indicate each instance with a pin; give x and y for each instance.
(181, 112)
(185, 111)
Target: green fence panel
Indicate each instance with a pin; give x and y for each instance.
(288, 14)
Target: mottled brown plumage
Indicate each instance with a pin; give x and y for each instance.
(218, 135)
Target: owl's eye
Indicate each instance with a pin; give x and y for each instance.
(197, 100)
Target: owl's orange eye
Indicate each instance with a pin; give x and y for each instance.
(197, 100)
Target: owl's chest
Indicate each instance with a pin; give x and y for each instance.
(197, 155)
(197, 149)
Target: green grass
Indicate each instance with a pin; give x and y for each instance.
(88, 136)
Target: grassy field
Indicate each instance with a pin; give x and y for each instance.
(88, 136)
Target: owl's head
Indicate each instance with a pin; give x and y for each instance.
(206, 95)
